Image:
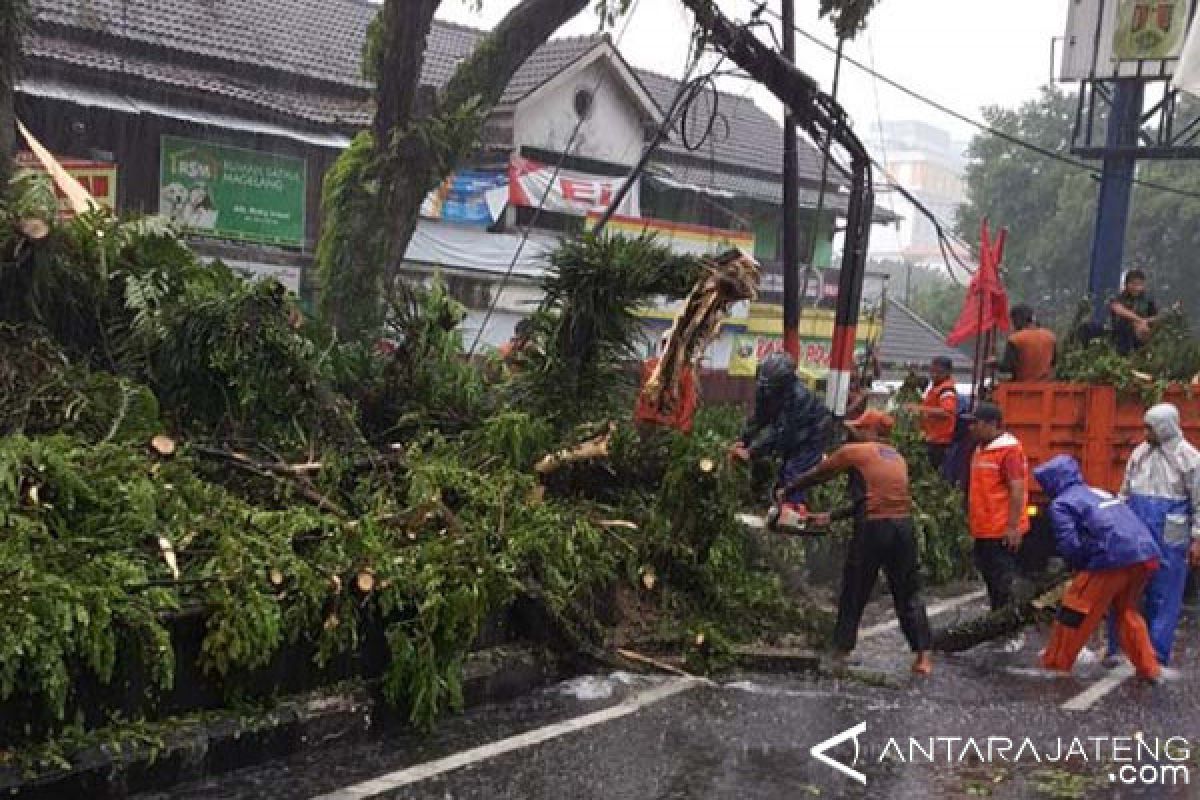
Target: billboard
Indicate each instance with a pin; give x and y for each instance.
(469, 197)
(99, 178)
(232, 193)
(1124, 38)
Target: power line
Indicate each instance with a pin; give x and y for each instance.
(982, 126)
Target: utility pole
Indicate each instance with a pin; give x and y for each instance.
(791, 204)
(1116, 187)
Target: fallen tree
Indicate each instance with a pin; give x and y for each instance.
(1034, 603)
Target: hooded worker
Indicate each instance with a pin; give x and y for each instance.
(1114, 556)
(1161, 487)
(789, 423)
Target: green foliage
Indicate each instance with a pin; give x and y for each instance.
(939, 510)
(1172, 355)
(586, 326)
(1050, 209)
(939, 303)
(112, 332)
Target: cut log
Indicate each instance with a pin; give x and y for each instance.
(649, 578)
(34, 228)
(1033, 603)
(275, 577)
(168, 554)
(707, 465)
(163, 445)
(618, 523)
(591, 450)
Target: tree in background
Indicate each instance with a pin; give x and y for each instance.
(927, 290)
(13, 16)
(1046, 205)
(1050, 207)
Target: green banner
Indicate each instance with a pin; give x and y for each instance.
(232, 193)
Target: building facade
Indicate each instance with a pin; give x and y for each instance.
(226, 116)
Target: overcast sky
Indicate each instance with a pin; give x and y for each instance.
(965, 53)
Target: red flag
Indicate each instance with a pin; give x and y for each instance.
(986, 305)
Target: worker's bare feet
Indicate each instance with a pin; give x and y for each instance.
(923, 665)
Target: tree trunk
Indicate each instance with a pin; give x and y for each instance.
(418, 141)
(13, 16)
(405, 26)
(420, 160)
(1033, 602)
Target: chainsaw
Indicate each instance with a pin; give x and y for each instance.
(787, 519)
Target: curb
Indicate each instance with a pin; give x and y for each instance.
(226, 741)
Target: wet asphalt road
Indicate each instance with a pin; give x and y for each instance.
(750, 737)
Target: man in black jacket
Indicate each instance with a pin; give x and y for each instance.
(789, 422)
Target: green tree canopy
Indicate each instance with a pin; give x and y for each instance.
(1049, 208)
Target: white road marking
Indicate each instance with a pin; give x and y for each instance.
(933, 610)
(1088, 697)
(430, 769)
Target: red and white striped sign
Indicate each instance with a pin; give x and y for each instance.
(567, 191)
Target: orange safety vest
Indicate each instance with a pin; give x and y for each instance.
(988, 501)
(940, 430)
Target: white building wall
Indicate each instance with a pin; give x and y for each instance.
(612, 131)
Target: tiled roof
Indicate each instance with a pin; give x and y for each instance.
(753, 138)
(319, 39)
(908, 339)
(306, 59)
(317, 108)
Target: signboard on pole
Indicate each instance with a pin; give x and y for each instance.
(1124, 38)
(232, 193)
(99, 178)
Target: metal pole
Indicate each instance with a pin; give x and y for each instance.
(815, 228)
(1116, 188)
(791, 204)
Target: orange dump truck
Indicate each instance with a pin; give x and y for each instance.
(1097, 425)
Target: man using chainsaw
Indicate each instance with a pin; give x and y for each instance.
(883, 534)
(1113, 554)
(789, 422)
(1162, 486)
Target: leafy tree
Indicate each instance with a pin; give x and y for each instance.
(1046, 205)
(939, 303)
(1050, 207)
